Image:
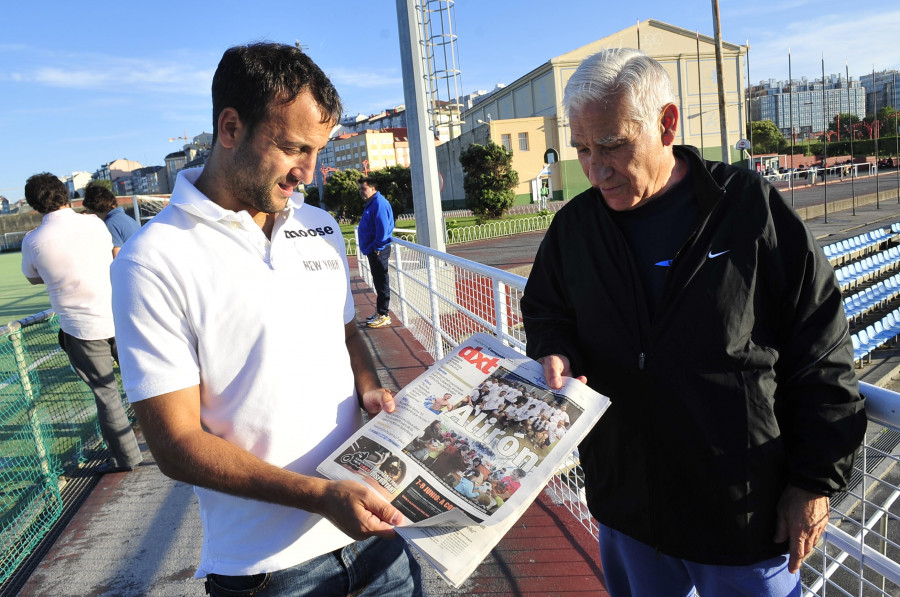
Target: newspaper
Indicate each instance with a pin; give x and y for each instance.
(472, 442)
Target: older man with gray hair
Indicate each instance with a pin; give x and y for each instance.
(692, 295)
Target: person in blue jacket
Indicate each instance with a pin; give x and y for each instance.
(101, 201)
(375, 229)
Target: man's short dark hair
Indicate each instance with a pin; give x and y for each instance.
(369, 181)
(44, 192)
(254, 77)
(99, 199)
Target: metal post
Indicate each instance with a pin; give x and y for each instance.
(435, 309)
(883, 524)
(824, 140)
(875, 122)
(423, 161)
(137, 209)
(401, 285)
(28, 394)
(500, 325)
(359, 256)
(852, 165)
(723, 124)
(700, 95)
(791, 117)
(896, 129)
(749, 102)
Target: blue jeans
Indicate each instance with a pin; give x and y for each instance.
(634, 569)
(371, 567)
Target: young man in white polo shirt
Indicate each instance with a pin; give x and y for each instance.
(240, 350)
(71, 254)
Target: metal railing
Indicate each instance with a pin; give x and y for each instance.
(442, 299)
(467, 234)
(812, 174)
(12, 241)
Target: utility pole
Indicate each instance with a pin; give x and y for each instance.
(723, 125)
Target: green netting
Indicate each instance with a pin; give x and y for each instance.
(48, 420)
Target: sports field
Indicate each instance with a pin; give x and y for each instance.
(18, 298)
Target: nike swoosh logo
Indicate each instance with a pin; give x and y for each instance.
(665, 263)
(714, 255)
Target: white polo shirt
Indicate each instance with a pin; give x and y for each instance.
(71, 253)
(201, 296)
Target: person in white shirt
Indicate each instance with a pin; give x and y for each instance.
(560, 414)
(240, 350)
(71, 254)
(557, 432)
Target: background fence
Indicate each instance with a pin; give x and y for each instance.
(48, 425)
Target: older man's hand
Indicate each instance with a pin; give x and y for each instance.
(555, 367)
(802, 518)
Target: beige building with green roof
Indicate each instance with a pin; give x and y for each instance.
(527, 115)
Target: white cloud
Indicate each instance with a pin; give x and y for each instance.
(866, 40)
(366, 79)
(114, 74)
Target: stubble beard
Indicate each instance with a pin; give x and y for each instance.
(250, 189)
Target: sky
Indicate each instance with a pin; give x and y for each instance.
(83, 84)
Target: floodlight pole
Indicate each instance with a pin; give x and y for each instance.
(423, 160)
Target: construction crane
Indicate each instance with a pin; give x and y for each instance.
(184, 136)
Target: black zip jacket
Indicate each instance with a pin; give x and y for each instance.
(742, 384)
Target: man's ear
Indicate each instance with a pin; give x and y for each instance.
(230, 127)
(668, 124)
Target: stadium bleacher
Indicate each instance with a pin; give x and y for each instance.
(867, 265)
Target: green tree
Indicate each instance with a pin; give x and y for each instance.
(342, 194)
(395, 183)
(766, 137)
(100, 183)
(488, 179)
(311, 195)
(842, 123)
(885, 118)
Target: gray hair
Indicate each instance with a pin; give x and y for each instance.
(621, 73)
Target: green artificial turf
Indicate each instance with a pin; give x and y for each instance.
(18, 298)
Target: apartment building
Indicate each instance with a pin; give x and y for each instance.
(806, 108)
(115, 170)
(76, 182)
(881, 90)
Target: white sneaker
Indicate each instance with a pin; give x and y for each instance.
(380, 321)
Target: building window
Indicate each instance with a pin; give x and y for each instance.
(523, 141)
(506, 141)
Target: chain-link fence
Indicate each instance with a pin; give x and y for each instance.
(48, 426)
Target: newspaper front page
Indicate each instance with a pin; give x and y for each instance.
(472, 442)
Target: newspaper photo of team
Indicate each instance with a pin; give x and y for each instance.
(503, 405)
